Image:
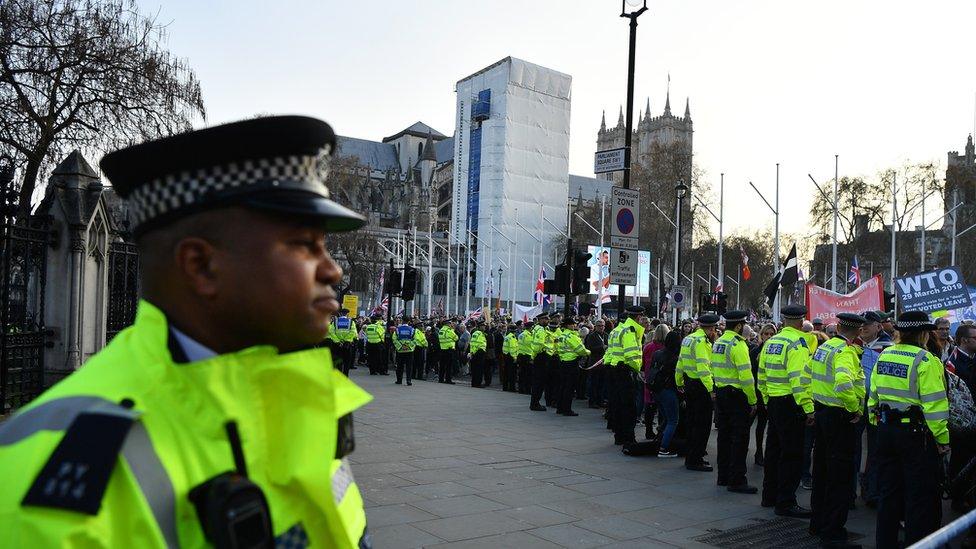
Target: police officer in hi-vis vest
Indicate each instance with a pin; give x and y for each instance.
(907, 401)
(342, 335)
(693, 377)
(375, 339)
(404, 343)
(785, 386)
(213, 419)
(837, 388)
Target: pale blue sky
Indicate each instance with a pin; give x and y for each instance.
(770, 81)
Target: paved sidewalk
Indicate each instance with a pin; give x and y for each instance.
(453, 466)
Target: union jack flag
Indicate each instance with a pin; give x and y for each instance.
(854, 276)
(540, 296)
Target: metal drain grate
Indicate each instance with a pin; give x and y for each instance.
(778, 532)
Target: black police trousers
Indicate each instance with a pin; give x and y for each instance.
(477, 368)
(567, 385)
(508, 373)
(835, 438)
(404, 361)
(553, 380)
(698, 413)
(910, 474)
(446, 365)
(419, 360)
(524, 374)
(540, 373)
(623, 404)
(733, 419)
(783, 465)
(374, 357)
(344, 352)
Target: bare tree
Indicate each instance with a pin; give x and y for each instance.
(85, 74)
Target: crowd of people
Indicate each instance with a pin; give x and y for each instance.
(863, 406)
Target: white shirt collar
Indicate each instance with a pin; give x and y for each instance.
(193, 350)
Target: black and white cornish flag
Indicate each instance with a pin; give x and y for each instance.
(790, 274)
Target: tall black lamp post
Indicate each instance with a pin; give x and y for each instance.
(680, 190)
(631, 9)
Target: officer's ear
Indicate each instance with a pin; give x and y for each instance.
(197, 261)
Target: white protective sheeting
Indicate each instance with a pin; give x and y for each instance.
(524, 170)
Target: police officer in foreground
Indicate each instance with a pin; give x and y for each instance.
(837, 387)
(735, 403)
(908, 403)
(693, 377)
(203, 423)
(785, 385)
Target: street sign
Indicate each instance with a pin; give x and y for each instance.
(938, 290)
(610, 160)
(351, 302)
(623, 267)
(679, 297)
(625, 218)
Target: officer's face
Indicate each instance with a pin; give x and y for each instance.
(711, 332)
(276, 282)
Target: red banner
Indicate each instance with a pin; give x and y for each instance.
(825, 304)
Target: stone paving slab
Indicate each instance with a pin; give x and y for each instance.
(453, 466)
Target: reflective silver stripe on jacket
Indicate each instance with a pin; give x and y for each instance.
(148, 470)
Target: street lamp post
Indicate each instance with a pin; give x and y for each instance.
(636, 8)
(680, 190)
(775, 210)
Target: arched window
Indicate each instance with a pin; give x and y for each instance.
(359, 279)
(421, 284)
(440, 283)
(420, 151)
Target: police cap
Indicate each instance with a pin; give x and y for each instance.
(276, 164)
(914, 321)
(634, 310)
(343, 311)
(708, 320)
(871, 317)
(817, 321)
(569, 321)
(541, 316)
(850, 320)
(735, 316)
(794, 312)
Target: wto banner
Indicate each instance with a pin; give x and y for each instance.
(939, 290)
(825, 304)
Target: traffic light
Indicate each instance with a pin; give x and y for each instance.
(580, 283)
(393, 283)
(409, 283)
(562, 278)
(723, 303)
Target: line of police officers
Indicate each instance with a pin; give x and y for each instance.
(803, 384)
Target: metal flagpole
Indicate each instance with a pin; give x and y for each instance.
(603, 215)
(467, 270)
(677, 244)
(450, 283)
(491, 257)
(738, 273)
(955, 200)
(894, 210)
(514, 278)
(833, 269)
(922, 255)
(721, 219)
(430, 267)
(776, 244)
(413, 263)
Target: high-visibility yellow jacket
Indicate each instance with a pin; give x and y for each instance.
(695, 360)
(478, 341)
(836, 377)
(550, 344)
(538, 336)
(375, 332)
(907, 376)
(287, 408)
(343, 330)
(525, 343)
(623, 347)
(404, 338)
(510, 345)
(419, 338)
(731, 366)
(447, 337)
(569, 346)
(783, 366)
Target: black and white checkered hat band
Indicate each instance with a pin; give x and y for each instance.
(849, 323)
(187, 189)
(912, 323)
